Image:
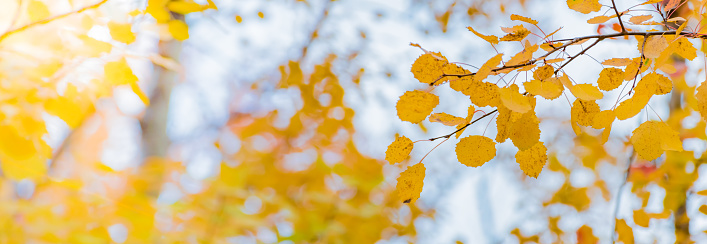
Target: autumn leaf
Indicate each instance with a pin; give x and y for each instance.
(399, 150)
(652, 138)
(490, 38)
(583, 112)
(617, 62)
(119, 73)
(524, 19)
(532, 160)
(586, 92)
(610, 78)
(584, 6)
(548, 89)
(410, 183)
(178, 29)
(515, 33)
(121, 32)
(701, 97)
(447, 119)
(415, 106)
(513, 100)
(638, 19)
(599, 19)
(624, 231)
(474, 151)
(428, 67)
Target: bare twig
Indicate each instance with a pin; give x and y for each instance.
(578, 54)
(50, 19)
(623, 29)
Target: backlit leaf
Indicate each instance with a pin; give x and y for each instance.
(610, 78)
(410, 183)
(414, 106)
(399, 150)
(513, 100)
(584, 6)
(474, 151)
(533, 159)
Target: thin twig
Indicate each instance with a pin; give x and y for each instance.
(50, 19)
(578, 54)
(623, 29)
(472, 122)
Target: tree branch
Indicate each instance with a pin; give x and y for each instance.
(623, 29)
(578, 39)
(467, 125)
(50, 19)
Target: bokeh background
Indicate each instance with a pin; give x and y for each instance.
(270, 122)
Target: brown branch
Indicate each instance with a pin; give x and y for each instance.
(467, 125)
(640, 65)
(578, 54)
(623, 29)
(50, 19)
(575, 40)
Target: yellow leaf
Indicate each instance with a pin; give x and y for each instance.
(178, 29)
(702, 99)
(584, 6)
(703, 209)
(586, 92)
(544, 72)
(513, 100)
(524, 19)
(525, 132)
(585, 235)
(684, 48)
(610, 79)
(702, 193)
(484, 94)
(158, 10)
(490, 39)
(549, 89)
(617, 62)
(410, 183)
(119, 73)
(641, 218)
(485, 69)
(524, 55)
(428, 67)
(603, 119)
(504, 122)
(599, 19)
(583, 112)
(652, 138)
(518, 34)
(639, 19)
(624, 231)
(121, 32)
(474, 151)
(554, 60)
(37, 11)
(654, 46)
(533, 159)
(185, 7)
(632, 106)
(143, 97)
(414, 106)
(399, 150)
(447, 119)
